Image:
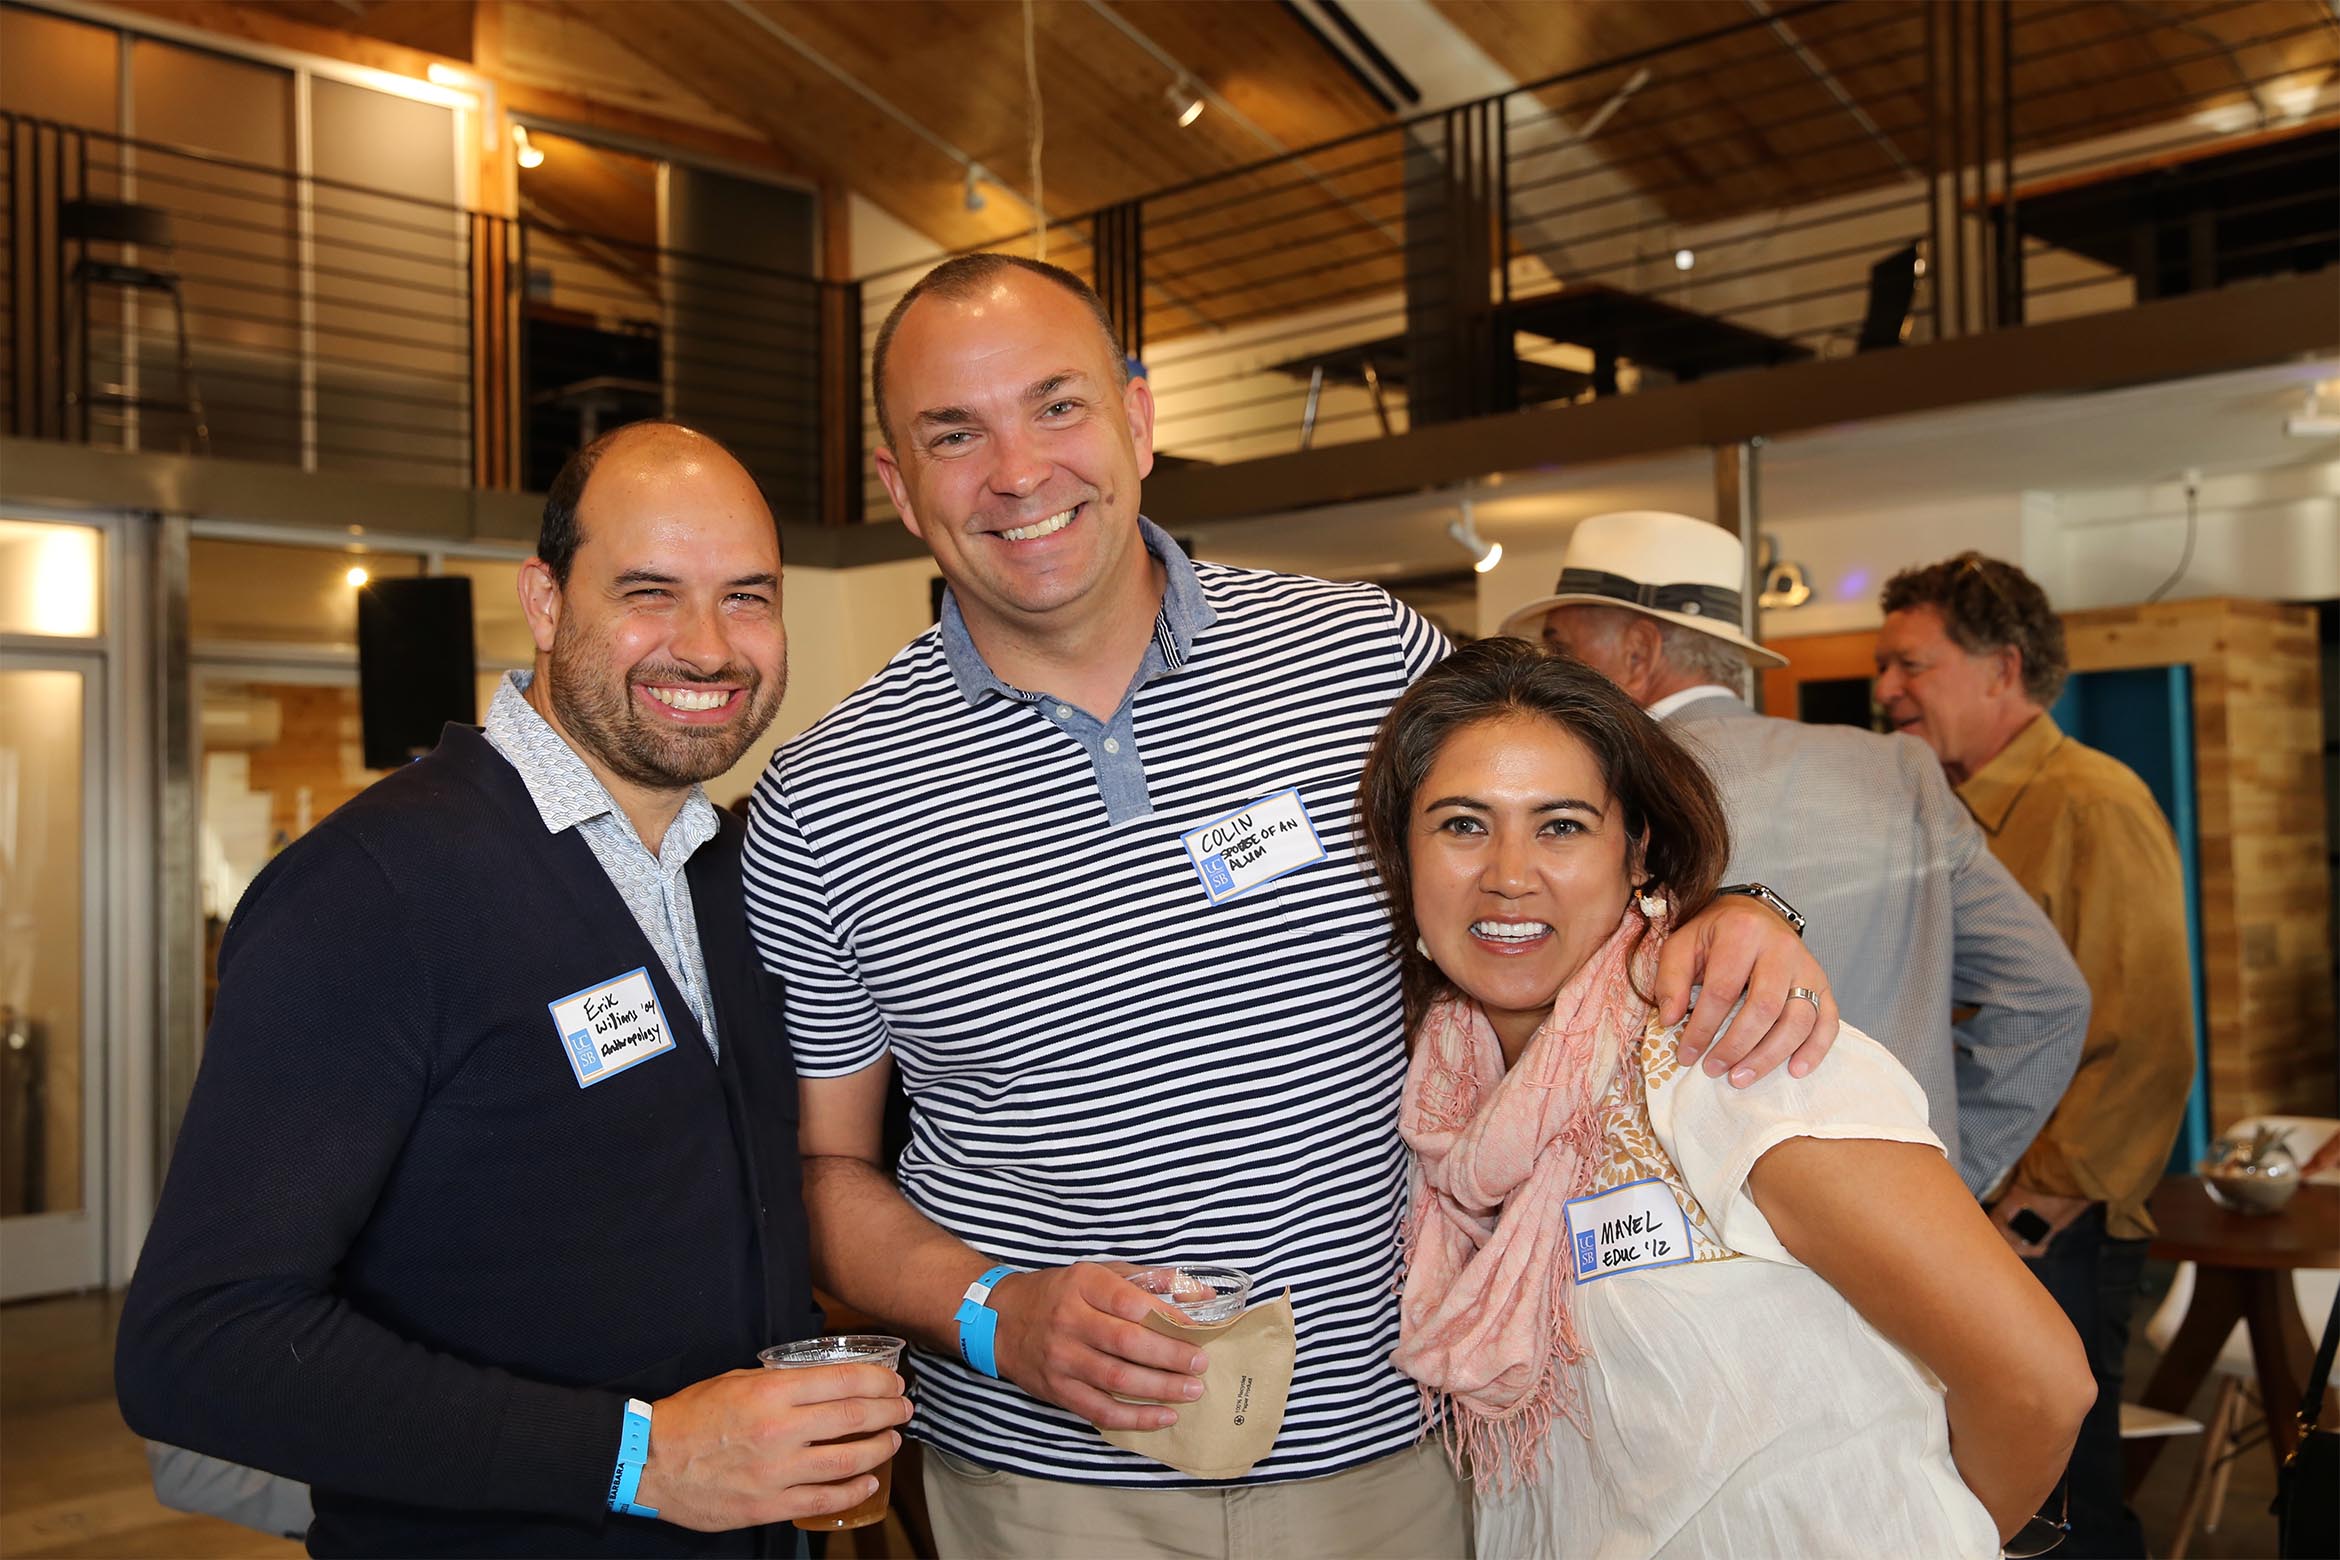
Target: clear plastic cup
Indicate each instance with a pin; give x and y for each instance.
(1206, 1293)
(843, 1349)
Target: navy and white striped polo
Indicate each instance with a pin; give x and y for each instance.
(1100, 1062)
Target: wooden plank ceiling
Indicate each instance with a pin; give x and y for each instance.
(957, 70)
(1748, 105)
(1743, 122)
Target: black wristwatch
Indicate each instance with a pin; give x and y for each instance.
(1772, 901)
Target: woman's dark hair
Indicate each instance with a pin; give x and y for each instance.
(1664, 793)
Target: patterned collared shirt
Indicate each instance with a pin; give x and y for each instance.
(569, 796)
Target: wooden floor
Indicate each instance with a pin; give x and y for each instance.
(2246, 1529)
(73, 1478)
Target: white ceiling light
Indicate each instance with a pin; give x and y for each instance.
(530, 154)
(1184, 101)
(1684, 259)
(356, 578)
(1465, 531)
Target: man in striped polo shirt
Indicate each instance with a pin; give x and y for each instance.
(987, 867)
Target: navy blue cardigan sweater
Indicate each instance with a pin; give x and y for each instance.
(401, 1254)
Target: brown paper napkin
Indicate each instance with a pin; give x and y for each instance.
(1241, 1410)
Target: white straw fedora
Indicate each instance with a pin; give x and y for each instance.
(1666, 566)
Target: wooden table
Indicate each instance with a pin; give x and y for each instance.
(2243, 1267)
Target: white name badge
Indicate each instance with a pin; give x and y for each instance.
(1253, 845)
(608, 1028)
(1637, 1225)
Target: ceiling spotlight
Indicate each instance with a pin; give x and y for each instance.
(1465, 531)
(1184, 101)
(357, 577)
(1684, 259)
(975, 197)
(530, 155)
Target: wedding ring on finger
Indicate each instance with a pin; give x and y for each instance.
(1805, 994)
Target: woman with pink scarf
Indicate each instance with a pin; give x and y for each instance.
(1660, 1315)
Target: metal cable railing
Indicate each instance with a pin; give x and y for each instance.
(1813, 180)
(164, 299)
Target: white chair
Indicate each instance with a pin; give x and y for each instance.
(2237, 1413)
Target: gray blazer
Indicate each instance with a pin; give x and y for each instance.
(1910, 915)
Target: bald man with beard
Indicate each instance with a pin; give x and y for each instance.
(470, 1226)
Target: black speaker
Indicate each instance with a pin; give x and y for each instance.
(415, 664)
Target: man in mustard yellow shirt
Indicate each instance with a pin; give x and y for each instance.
(1969, 659)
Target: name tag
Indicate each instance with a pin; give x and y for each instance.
(1637, 1225)
(608, 1028)
(1253, 845)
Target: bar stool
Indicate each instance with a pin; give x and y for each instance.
(125, 224)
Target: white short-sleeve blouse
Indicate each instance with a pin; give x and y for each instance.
(1738, 1405)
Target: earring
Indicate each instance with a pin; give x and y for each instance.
(1653, 905)
(1421, 947)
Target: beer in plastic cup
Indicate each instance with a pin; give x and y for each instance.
(843, 1349)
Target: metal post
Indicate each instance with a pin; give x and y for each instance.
(1986, 250)
(305, 263)
(179, 908)
(1503, 203)
(15, 309)
(1737, 510)
(1956, 273)
(1937, 262)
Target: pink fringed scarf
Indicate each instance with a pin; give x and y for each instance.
(1486, 1316)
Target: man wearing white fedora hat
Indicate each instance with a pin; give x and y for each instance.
(1913, 913)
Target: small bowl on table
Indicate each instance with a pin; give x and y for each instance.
(2256, 1176)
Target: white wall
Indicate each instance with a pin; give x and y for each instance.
(880, 241)
(2272, 533)
(1847, 558)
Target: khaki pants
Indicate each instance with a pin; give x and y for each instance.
(1408, 1506)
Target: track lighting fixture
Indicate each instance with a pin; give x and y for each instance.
(1465, 531)
(1185, 102)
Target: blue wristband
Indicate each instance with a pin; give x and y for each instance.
(978, 1322)
(633, 1452)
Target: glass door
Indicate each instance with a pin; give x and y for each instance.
(52, 991)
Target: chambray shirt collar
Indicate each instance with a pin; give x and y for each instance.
(1184, 614)
(1990, 793)
(565, 789)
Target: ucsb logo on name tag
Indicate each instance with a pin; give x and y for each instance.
(1253, 845)
(1637, 1225)
(608, 1028)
